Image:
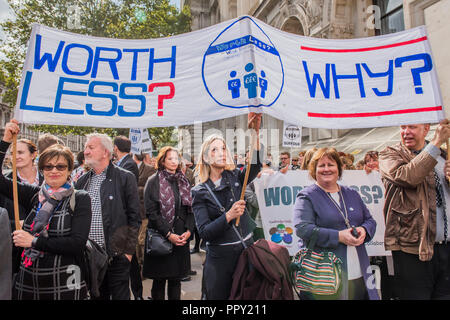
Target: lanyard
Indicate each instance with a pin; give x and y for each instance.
(344, 213)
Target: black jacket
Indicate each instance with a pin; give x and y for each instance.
(120, 209)
(129, 164)
(8, 204)
(153, 212)
(211, 223)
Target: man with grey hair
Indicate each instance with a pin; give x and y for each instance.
(115, 213)
(416, 211)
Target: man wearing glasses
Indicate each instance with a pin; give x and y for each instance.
(285, 160)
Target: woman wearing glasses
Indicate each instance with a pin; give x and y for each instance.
(53, 236)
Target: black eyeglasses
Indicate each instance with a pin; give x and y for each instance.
(59, 167)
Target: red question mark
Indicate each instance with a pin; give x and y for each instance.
(161, 97)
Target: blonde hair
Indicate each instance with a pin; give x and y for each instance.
(307, 158)
(203, 168)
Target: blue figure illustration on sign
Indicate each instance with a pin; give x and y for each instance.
(250, 81)
(263, 84)
(234, 85)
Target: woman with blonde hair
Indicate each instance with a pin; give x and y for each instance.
(216, 207)
(307, 158)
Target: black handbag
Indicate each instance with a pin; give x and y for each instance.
(97, 263)
(156, 244)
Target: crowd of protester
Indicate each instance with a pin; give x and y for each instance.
(118, 196)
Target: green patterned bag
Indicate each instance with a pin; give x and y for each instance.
(316, 272)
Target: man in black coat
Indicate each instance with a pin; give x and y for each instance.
(115, 213)
(122, 148)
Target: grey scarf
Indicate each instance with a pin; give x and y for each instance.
(48, 201)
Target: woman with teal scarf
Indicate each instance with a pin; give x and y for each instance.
(53, 236)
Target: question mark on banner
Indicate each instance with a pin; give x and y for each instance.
(378, 194)
(428, 65)
(161, 97)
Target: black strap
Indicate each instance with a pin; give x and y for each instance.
(222, 209)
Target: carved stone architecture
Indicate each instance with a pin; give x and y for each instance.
(333, 19)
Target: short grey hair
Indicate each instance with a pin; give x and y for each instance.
(105, 140)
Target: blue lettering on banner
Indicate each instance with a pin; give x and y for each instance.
(323, 81)
(287, 195)
(65, 66)
(23, 98)
(98, 57)
(124, 95)
(47, 57)
(87, 88)
(90, 110)
(61, 91)
(369, 194)
(135, 60)
(112, 61)
(241, 42)
(171, 59)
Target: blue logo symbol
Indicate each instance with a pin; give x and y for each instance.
(135, 136)
(250, 83)
(243, 71)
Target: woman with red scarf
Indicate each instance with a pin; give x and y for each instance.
(168, 202)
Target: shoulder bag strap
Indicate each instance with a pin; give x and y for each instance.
(222, 209)
(313, 239)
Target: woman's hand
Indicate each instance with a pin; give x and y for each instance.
(236, 210)
(22, 239)
(177, 240)
(254, 121)
(11, 129)
(186, 235)
(346, 237)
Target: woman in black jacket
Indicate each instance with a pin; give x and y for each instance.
(53, 236)
(168, 207)
(217, 227)
(27, 172)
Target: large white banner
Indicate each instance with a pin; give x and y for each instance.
(226, 70)
(276, 196)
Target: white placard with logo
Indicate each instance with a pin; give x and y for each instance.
(276, 196)
(292, 135)
(140, 141)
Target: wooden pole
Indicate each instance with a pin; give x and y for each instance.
(448, 154)
(247, 171)
(15, 192)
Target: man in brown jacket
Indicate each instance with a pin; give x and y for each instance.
(414, 175)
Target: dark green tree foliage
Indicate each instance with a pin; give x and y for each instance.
(123, 19)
